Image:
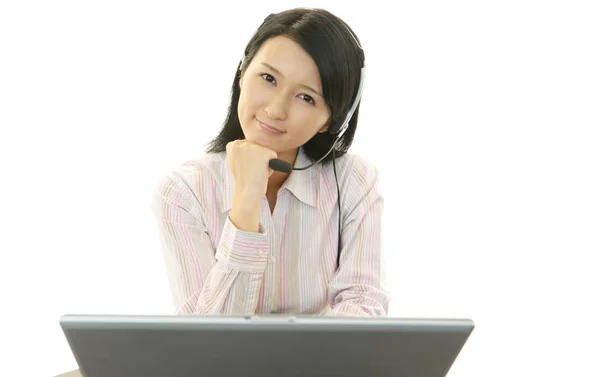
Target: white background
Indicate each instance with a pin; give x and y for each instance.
(483, 118)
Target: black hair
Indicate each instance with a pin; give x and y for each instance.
(327, 39)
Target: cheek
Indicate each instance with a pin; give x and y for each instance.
(310, 122)
(249, 102)
(244, 108)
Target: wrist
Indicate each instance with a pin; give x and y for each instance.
(247, 197)
(245, 212)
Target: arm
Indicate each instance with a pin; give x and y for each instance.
(204, 280)
(358, 288)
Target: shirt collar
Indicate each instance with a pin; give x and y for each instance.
(302, 183)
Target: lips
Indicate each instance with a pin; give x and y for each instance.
(269, 128)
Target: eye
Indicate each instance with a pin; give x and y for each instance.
(308, 99)
(268, 78)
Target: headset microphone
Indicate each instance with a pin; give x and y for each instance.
(280, 165)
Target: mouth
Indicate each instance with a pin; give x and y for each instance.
(270, 129)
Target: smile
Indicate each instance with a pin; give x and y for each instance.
(270, 129)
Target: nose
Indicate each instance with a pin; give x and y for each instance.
(276, 109)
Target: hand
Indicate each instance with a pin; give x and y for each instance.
(249, 164)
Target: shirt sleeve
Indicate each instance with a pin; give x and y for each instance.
(205, 279)
(358, 288)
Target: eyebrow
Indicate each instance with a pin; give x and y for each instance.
(279, 73)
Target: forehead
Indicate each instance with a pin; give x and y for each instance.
(290, 59)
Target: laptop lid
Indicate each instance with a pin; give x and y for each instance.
(266, 345)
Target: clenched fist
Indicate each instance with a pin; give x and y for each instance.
(249, 164)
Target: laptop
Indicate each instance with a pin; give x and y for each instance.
(263, 345)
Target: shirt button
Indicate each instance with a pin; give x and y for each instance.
(261, 251)
(271, 259)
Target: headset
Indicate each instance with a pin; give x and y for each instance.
(337, 130)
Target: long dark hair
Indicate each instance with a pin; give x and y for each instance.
(327, 39)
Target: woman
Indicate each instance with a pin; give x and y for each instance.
(240, 238)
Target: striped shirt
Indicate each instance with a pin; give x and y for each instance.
(289, 265)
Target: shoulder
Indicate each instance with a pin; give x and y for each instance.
(193, 181)
(358, 179)
(353, 170)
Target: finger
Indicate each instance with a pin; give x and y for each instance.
(269, 153)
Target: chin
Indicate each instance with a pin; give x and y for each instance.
(260, 139)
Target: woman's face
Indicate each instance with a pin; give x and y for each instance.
(281, 103)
